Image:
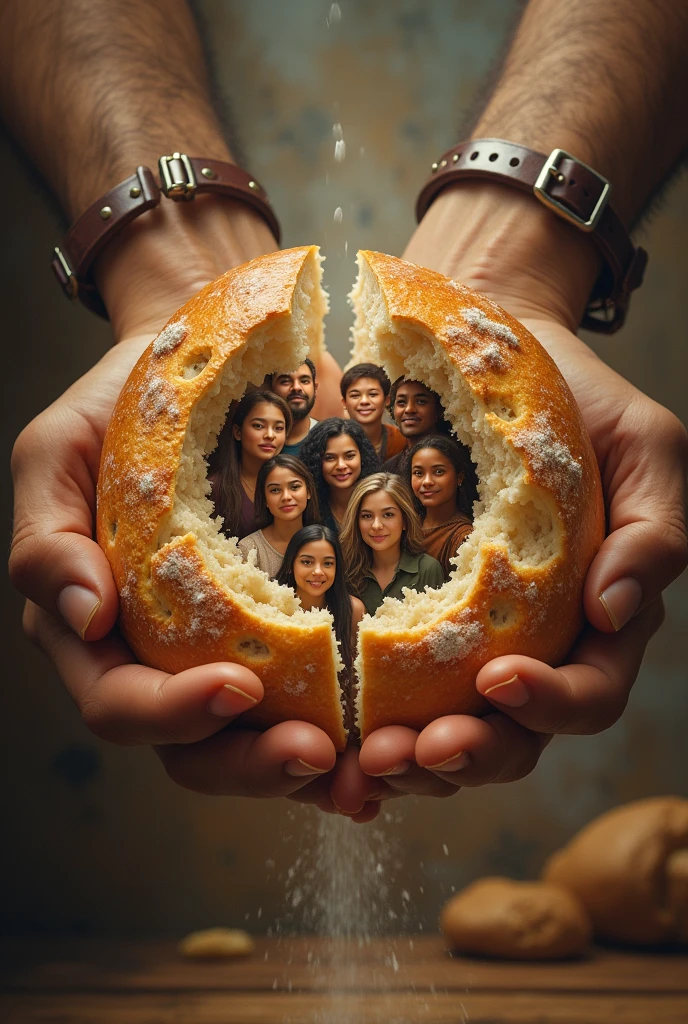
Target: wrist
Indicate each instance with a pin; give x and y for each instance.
(508, 246)
(165, 256)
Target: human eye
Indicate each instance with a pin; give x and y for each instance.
(417, 471)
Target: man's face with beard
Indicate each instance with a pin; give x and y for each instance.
(297, 389)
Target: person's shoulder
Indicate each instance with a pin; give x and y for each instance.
(396, 442)
(357, 609)
(430, 569)
(250, 542)
(395, 464)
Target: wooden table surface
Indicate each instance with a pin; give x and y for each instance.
(309, 981)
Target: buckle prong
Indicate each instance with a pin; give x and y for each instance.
(177, 177)
(551, 170)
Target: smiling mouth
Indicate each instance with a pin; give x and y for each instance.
(287, 508)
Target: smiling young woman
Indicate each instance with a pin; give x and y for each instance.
(285, 502)
(256, 433)
(338, 454)
(442, 478)
(382, 542)
(313, 567)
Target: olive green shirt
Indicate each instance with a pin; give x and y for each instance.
(413, 571)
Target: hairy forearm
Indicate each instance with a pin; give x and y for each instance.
(605, 79)
(92, 88)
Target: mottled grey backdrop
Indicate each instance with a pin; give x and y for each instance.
(98, 839)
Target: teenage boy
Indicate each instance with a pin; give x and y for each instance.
(365, 388)
(298, 389)
(417, 411)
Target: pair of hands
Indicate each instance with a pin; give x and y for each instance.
(71, 608)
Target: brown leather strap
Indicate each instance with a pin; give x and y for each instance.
(182, 178)
(571, 190)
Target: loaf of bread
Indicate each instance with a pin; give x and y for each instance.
(629, 868)
(188, 598)
(516, 920)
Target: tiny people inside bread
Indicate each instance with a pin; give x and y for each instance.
(462, 369)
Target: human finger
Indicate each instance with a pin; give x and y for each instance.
(244, 762)
(389, 754)
(127, 703)
(587, 695)
(644, 473)
(467, 751)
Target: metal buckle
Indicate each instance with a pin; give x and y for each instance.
(65, 275)
(177, 176)
(551, 170)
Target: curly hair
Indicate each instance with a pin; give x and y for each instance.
(313, 449)
(460, 457)
(358, 557)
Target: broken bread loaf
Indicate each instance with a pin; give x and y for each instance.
(188, 598)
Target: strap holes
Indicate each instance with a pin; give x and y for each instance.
(474, 155)
(514, 162)
(572, 182)
(493, 157)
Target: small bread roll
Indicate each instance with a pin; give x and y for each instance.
(629, 867)
(216, 944)
(516, 920)
(187, 597)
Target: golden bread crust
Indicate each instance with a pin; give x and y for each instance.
(184, 599)
(174, 612)
(413, 676)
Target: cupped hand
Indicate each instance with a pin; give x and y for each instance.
(642, 454)
(72, 603)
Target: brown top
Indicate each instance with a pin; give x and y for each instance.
(442, 542)
(393, 442)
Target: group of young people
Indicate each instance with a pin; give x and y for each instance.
(347, 510)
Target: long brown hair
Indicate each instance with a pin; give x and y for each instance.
(358, 557)
(264, 517)
(226, 459)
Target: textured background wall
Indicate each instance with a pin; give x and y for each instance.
(98, 839)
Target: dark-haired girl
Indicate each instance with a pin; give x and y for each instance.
(313, 566)
(256, 432)
(442, 479)
(285, 501)
(338, 454)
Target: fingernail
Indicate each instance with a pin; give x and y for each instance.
(398, 769)
(452, 764)
(347, 814)
(299, 768)
(512, 693)
(621, 601)
(77, 605)
(230, 700)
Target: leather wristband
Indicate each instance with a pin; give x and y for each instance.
(572, 191)
(181, 179)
